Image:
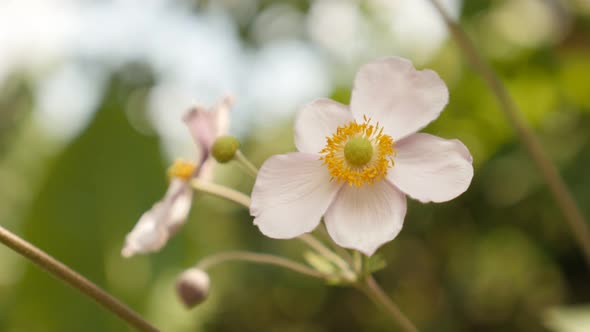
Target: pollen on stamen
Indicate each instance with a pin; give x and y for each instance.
(182, 169)
(373, 170)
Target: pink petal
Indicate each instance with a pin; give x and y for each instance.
(431, 169)
(291, 193)
(317, 121)
(179, 199)
(364, 218)
(155, 226)
(206, 125)
(392, 92)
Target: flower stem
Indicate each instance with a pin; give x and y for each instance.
(377, 295)
(221, 191)
(260, 259)
(74, 279)
(250, 168)
(564, 199)
(338, 250)
(320, 248)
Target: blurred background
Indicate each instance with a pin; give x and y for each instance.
(91, 95)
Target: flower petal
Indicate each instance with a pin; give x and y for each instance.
(155, 226)
(179, 203)
(206, 125)
(317, 121)
(364, 218)
(392, 92)
(430, 168)
(291, 193)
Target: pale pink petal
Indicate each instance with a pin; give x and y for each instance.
(317, 121)
(147, 235)
(291, 193)
(179, 199)
(206, 125)
(392, 92)
(364, 218)
(431, 169)
(155, 226)
(222, 118)
(206, 170)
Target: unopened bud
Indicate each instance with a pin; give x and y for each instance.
(193, 287)
(224, 149)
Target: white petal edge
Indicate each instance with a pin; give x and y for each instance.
(317, 121)
(291, 193)
(402, 99)
(431, 169)
(157, 225)
(366, 217)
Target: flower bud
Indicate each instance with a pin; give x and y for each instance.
(224, 148)
(193, 287)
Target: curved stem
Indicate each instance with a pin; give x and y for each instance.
(260, 259)
(376, 293)
(318, 246)
(564, 199)
(74, 279)
(221, 191)
(250, 168)
(338, 250)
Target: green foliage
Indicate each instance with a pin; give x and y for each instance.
(94, 193)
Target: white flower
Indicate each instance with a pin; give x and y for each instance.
(158, 224)
(355, 167)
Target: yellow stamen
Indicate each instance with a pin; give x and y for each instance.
(182, 169)
(374, 169)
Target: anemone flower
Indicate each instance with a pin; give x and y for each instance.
(357, 163)
(166, 216)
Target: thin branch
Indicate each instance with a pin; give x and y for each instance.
(74, 279)
(248, 166)
(564, 199)
(259, 259)
(320, 248)
(221, 191)
(376, 293)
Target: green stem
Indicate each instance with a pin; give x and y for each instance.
(221, 191)
(564, 199)
(357, 262)
(320, 248)
(250, 168)
(377, 295)
(338, 250)
(74, 279)
(260, 259)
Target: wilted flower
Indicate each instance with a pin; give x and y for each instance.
(155, 226)
(355, 167)
(192, 287)
(158, 224)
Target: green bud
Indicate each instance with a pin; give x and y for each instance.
(358, 151)
(224, 149)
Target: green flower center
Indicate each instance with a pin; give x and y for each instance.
(358, 151)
